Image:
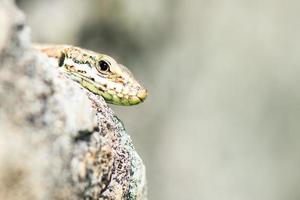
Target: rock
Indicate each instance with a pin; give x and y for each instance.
(57, 140)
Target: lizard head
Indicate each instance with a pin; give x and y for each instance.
(117, 83)
(102, 75)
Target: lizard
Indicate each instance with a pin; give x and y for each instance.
(98, 73)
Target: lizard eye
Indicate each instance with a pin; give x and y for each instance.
(104, 66)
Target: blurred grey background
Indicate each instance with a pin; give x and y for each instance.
(222, 118)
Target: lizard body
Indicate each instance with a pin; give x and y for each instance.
(98, 73)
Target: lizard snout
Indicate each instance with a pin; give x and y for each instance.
(142, 94)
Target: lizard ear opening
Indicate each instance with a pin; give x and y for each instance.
(61, 59)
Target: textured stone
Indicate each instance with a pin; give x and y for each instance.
(57, 140)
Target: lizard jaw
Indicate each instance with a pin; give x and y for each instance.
(113, 97)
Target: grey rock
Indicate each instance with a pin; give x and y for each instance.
(57, 140)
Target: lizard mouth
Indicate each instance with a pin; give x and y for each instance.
(110, 96)
(113, 97)
(125, 100)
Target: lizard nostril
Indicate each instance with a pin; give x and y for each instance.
(142, 94)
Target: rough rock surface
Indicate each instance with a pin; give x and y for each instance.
(57, 140)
